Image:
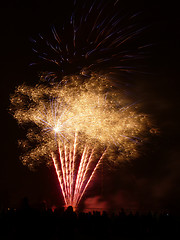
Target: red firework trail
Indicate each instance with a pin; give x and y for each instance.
(73, 179)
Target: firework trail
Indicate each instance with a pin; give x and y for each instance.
(95, 38)
(73, 124)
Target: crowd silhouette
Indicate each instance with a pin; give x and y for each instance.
(59, 223)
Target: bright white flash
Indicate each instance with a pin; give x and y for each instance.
(56, 129)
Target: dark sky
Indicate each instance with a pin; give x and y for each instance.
(152, 181)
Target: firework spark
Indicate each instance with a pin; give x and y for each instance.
(95, 38)
(73, 124)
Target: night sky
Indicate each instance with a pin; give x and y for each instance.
(149, 182)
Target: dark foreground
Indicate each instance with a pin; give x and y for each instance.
(32, 223)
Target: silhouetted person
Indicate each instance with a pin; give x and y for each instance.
(69, 221)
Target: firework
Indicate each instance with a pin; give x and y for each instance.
(73, 124)
(75, 117)
(96, 38)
